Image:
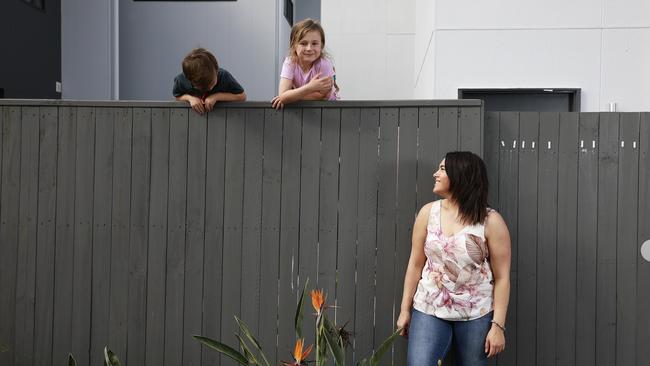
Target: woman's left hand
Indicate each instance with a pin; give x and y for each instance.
(495, 341)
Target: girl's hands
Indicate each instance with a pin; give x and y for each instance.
(321, 84)
(277, 102)
(495, 341)
(403, 322)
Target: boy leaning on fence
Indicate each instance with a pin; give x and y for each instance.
(202, 83)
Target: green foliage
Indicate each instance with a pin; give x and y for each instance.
(299, 316)
(71, 360)
(329, 340)
(223, 349)
(110, 359)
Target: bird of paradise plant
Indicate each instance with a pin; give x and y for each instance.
(329, 339)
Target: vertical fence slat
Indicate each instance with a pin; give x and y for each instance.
(139, 238)
(448, 127)
(64, 254)
(527, 238)
(101, 264)
(626, 250)
(367, 233)
(508, 203)
(289, 230)
(567, 207)
(119, 279)
(194, 240)
(386, 216)
(491, 156)
(586, 248)
(328, 194)
(471, 128)
(406, 210)
(214, 211)
(606, 250)
(643, 266)
(9, 209)
(547, 237)
(83, 234)
(176, 209)
(45, 247)
(270, 237)
(427, 159)
(347, 231)
(309, 207)
(157, 253)
(27, 228)
(251, 244)
(232, 237)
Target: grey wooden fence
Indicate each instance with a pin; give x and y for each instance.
(136, 225)
(575, 191)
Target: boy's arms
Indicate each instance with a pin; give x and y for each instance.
(195, 102)
(202, 106)
(212, 99)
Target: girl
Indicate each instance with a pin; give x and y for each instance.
(307, 73)
(457, 282)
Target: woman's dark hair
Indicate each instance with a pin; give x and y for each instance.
(468, 185)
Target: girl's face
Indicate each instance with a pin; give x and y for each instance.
(309, 47)
(441, 186)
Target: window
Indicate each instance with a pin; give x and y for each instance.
(536, 100)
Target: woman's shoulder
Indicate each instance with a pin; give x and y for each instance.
(494, 221)
(426, 209)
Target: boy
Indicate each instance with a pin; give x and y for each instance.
(203, 83)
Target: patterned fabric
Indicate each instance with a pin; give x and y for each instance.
(456, 281)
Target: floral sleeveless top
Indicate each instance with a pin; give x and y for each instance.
(456, 281)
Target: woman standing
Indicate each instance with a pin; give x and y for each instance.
(457, 282)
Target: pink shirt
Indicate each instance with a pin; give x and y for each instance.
(456, 281)
(292, 71)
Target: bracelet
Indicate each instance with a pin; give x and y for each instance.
(498, 325)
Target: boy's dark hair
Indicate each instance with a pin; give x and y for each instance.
(468, 185)
(200, 68)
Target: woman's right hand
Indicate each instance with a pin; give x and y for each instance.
(403, 322)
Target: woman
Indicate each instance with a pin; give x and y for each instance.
(457, 282)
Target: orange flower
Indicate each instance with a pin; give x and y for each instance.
(298, 355)
(317, 300)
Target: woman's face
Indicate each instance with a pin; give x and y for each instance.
(441, 185)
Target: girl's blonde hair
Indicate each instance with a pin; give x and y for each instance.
(300, 30)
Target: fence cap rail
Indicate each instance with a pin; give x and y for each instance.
(252, 104)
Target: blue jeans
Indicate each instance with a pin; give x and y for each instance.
(429, 339)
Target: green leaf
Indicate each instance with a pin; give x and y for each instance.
(110, 358)
(247, 352)
(299, 307)
(332, 342)
(385, 346)
(222, 348)
(71, 360)
(249, 335)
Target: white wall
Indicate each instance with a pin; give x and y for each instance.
(598, 46)
(87, 49)
(155, 36)
(135, 51)
(372, 44)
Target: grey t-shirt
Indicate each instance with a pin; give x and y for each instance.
(226, 83)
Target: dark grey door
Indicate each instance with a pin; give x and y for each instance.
(30, 64)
